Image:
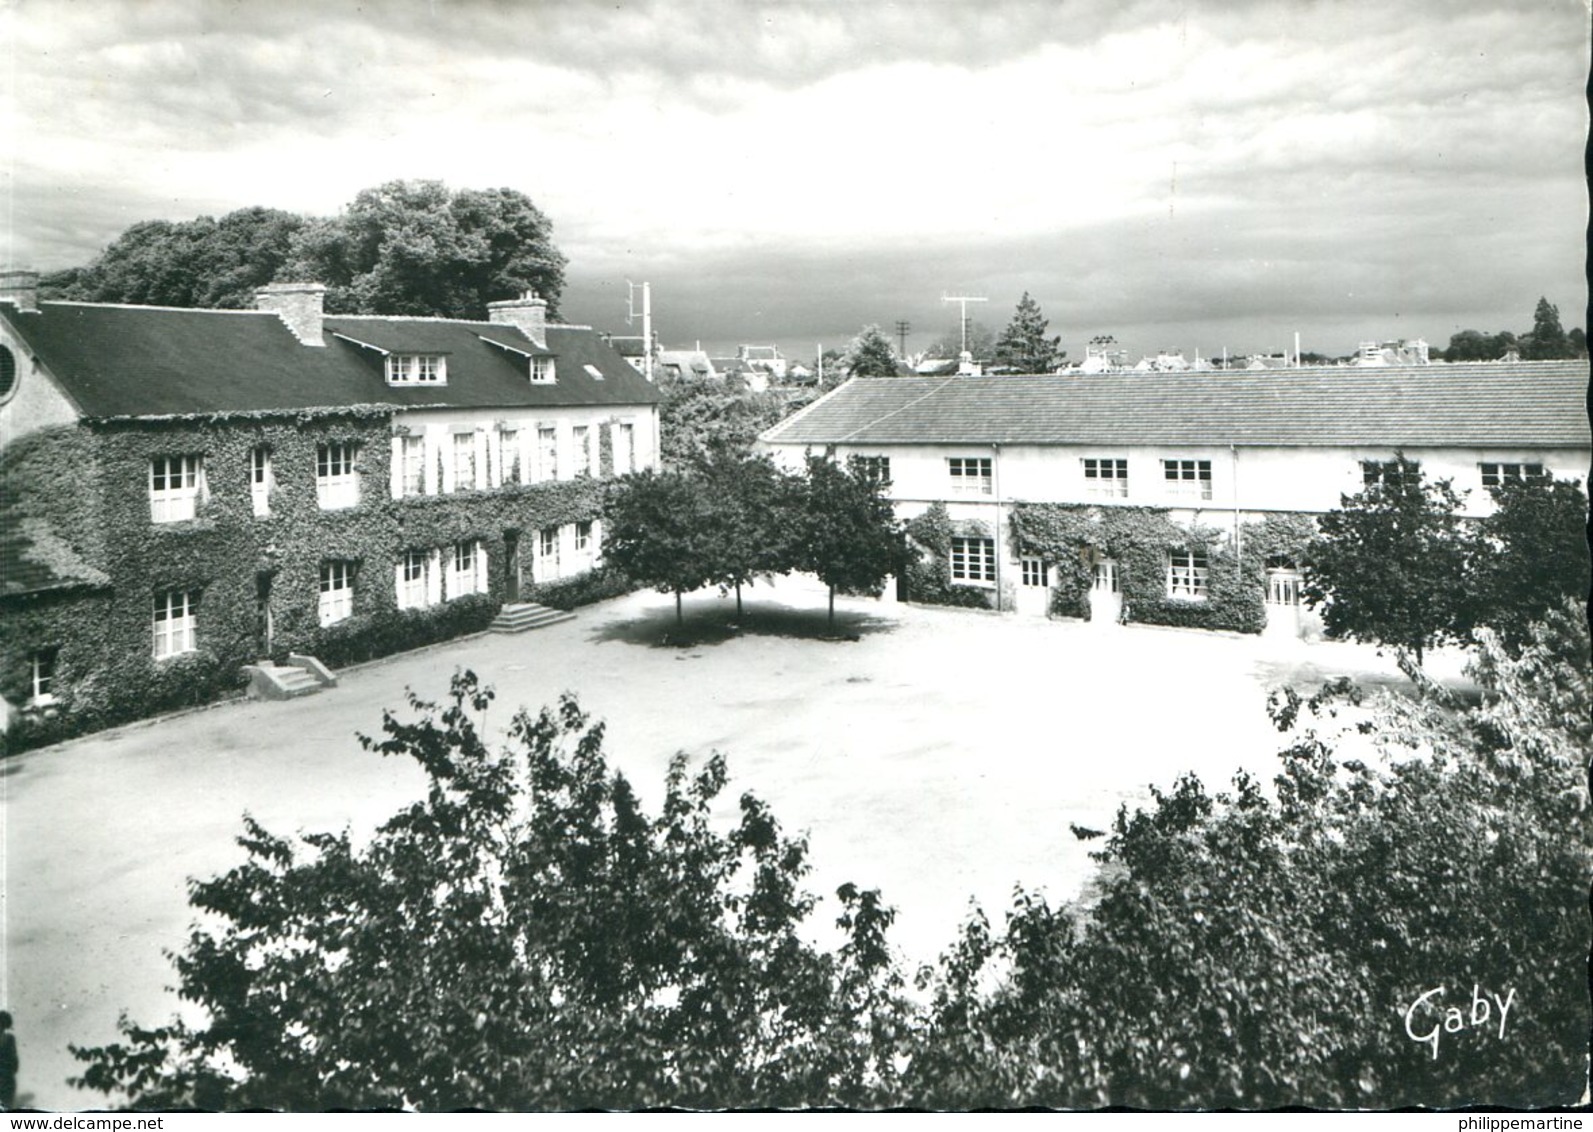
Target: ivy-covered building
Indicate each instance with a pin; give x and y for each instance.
(184, 492)
(1173, 498)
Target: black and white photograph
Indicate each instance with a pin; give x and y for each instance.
(936, 555)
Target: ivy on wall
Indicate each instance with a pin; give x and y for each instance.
(1071, 538)
(92, 483)
(928, 563)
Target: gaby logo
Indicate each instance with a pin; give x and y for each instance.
(1452, 1020)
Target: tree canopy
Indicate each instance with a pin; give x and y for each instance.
(847, 532)
(406, 247)
(1532, 556)
(1546, 340)
(1390, 565)
(871, 355)
(1023, 345)
(659, 530)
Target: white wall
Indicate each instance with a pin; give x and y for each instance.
(36, 401)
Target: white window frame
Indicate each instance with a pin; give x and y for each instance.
(411, 466)
(336, 600)
(547, 453)
(1496, 473)
(624, 448)
(260, 480)
(412, 581)
(509, 456)
(467, 568)
(337, 482)
(971, 475)
(973, 561)
(546, 566)
(175, 623)
(1187, 477)
(462, 458)
(1385, 471)
(1188, 572)
(583, 536)
(581, 441)
(42, 664)
(1105, 477)
(875, 469)
(543, 371)
(176, 487)
(1035, 573)
(417, 369)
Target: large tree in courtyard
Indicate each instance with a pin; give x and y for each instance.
(1532, 555)
(846, 531)
(659, 530)
(1023, 345)
(527, 936)
(1389, 565)
(752, 516)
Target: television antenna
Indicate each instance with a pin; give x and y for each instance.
(963, 301)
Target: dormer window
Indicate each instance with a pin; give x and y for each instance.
(417, 369)
(542, 371)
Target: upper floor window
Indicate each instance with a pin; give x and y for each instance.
(464, 453)
(548, 453)
(412, 465)
(542, 371)
(875, 469)
(970, 475)
(509, 459)
(1106, 478)
(1389, 472)
(336, 479)
(337, 592)
(1497, 475)
(417, 369)
(175, 621)
(1186, 574)
(1188, 477)
(260, 482)
(973, 560)
(176, 484)
(582, 436)
(624, 449)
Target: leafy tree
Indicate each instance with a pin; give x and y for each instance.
(1532, 556)
(981, 342)
(658, 529)
(1246, 951)
(1390, 564)
(194, 263)
(1475, 346)
(1547, 339)
(752, 518)
(418, 248)
(845, 530)
(525, 937)
(870, 354)
(1024, 346)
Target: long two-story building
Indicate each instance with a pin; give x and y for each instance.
(1233, 452)
(186, 492)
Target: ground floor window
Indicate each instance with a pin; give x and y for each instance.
(41, 676)
(1186, 574)
(176, 615)
(414, 580)
(973, 560)
(467, 569)
(1035, 572)
(1283, 580)
(583, 537)
(337, 592)
(547, 564)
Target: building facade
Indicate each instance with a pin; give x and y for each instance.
(186, 492)
(1210, 480)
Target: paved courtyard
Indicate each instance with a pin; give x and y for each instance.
(940, 756)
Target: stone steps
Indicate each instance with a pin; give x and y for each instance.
(304, 676)
(526, 616)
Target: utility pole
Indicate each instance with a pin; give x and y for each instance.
(902, 327)
(964, 300)
(647, 323)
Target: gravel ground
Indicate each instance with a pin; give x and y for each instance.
(937, 754)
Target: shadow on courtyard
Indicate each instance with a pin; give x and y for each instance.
(657, 628)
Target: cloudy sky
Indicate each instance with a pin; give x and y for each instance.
(1194, 176)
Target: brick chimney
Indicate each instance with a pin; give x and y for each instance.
(20, 287)
(527, 312)
(297, 304)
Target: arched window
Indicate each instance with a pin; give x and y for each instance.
(8, 372)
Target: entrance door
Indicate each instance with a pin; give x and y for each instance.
(262, 614)
(511, 571)
(1034, 587)
(1283, 600)
(1106, 598)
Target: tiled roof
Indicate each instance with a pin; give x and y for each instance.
(33, 559)
(123, 361)
(1528, 404)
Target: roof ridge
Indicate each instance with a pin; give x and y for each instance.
(148, 307)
